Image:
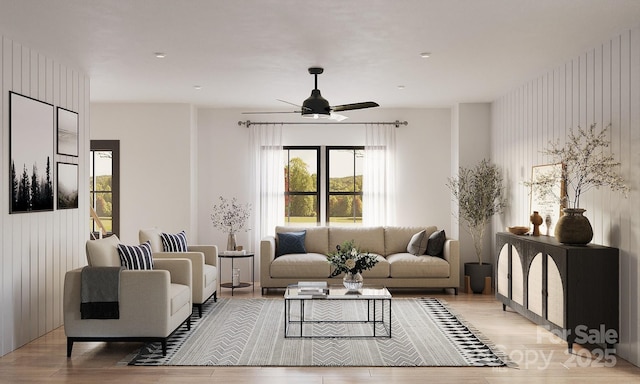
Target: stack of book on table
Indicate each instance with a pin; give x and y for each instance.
(314, 289)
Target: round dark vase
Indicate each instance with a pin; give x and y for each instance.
(573, 227)
(477, 273)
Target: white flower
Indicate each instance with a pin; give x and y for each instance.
(354, 252)
(350, 263)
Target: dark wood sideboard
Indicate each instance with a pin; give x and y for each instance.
(571, 290)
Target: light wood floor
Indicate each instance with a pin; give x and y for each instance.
(541, 358)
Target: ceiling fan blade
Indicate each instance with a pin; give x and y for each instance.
(337, 117)
(266, 113)
(290, 103)
(350, 107)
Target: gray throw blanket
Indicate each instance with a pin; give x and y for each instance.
(100, 292)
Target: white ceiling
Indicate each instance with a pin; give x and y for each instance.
(248, 53)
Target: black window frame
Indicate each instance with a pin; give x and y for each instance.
(328, 193)
(317, 193)
(112, 146)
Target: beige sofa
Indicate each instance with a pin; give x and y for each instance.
(203, 263)
(152, 303)
(396, 268)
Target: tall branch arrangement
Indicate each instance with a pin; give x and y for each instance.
(586, 165)
(479, 194)
(230, 216)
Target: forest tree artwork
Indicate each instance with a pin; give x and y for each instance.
(31, 153)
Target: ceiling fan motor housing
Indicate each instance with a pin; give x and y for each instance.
(315, 105)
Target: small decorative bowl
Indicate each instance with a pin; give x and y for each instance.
(518, 230)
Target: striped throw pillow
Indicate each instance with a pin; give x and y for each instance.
(174, 243)
(136, 256)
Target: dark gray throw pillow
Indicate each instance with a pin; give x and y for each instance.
(291, 242)
(435, 245)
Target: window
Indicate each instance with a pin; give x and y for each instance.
(302, 185)
(344, 181)
(104, 186)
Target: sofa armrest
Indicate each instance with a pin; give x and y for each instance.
(451, 254)
(267, 255)
(179, 268)
(210, 252)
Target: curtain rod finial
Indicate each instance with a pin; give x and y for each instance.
(245, 123)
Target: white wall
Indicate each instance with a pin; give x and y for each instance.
(423, 161)
(471, 143)
(38, 248)
(600, 86)
(157, 164)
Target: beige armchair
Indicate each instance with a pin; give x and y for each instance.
(152, 303)
(203, 260)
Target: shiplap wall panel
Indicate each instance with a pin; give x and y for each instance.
(601, 86)
(38, 248)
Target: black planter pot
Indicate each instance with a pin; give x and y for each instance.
(477, 273)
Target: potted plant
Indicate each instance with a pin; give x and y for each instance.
(230, 217)
(349, 260)
(585, 165)
(479, 194)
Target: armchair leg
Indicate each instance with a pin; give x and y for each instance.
(189, 323)
(164, 347)
(69, 346)
(215, 296)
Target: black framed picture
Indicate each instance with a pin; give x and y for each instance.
(67, 185)
(67, 132)
(31, 153)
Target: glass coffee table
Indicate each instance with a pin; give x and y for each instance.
(365, 313)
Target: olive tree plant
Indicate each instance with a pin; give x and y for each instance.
(480, 195)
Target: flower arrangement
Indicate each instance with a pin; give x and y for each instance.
(586, 165)
(348, 259)
(479, 194)
(230, 216)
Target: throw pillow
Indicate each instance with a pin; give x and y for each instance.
(418, 243)
(435, 245)
(291, 242)
(136, 256)
(174, 243)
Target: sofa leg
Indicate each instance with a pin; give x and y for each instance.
(69, 346)
(455, 291)
(189, 323)
(164, 347)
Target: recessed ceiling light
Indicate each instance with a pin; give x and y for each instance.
(425, 55)
(401, 87)
(198, 87)
(159, 55)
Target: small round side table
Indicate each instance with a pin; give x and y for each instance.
(233, 257)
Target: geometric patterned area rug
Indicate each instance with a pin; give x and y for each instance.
(250, 332)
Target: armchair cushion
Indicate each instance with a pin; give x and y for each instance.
(103, 252)
(136, 256)
(174, 243)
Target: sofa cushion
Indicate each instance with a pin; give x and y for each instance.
(418, 243)
(136, 256)
(316, 239)
(300, 266)
(396, 239)
(174, 243)
(408, 265)
(366, 239)
(103, 252)
(435, 245)
(180, 296)
(380, 270)
(290, 242)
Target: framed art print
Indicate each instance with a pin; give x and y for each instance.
(31, 154)
(67, 186)
(67, 132)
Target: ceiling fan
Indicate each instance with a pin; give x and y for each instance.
(317, 106)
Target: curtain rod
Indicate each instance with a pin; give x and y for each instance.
(248, 123)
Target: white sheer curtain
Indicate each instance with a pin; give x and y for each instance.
(378, 175)
(268, 179)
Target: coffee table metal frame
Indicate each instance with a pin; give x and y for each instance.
(377, 297)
